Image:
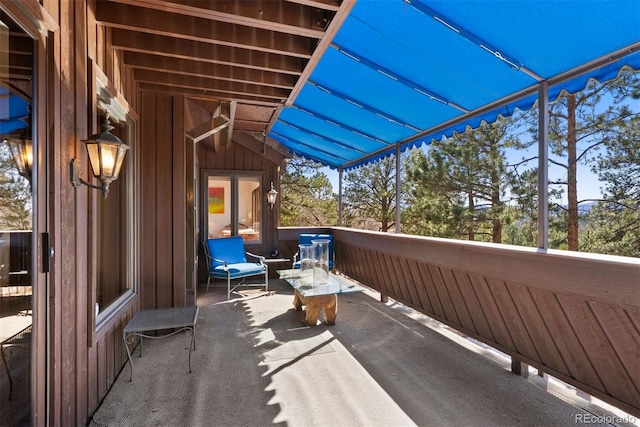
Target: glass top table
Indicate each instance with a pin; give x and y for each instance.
(335, 285)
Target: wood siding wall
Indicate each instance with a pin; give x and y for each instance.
(82, 361)
(575, 316)
(163, 201)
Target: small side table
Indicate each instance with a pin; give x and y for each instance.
(269, 261)
(179, 318)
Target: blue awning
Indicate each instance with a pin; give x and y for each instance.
(402, 73)
(14, 112)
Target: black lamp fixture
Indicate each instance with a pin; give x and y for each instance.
(272, 195)
(21, 148)
(106, 154)
(22, 151)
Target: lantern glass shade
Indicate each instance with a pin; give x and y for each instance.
(271, 195)
(106, 154)
(22, 152)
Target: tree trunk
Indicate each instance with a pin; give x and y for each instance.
(572, 180)
(472, 209)
(384, 224)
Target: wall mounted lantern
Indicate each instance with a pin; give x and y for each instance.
(272, 195)
(22, 151)
(21, 147)
(106, 153)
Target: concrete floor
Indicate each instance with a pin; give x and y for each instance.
(256, 364)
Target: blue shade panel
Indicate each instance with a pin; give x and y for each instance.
(405, 73)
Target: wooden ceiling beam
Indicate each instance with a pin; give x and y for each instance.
(183, 49)
(330, 5)
(211, 83)
(205, 93)
(278, 16)
(202, 69)
(223, 93)
(135, 18)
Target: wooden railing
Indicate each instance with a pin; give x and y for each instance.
(575, 316)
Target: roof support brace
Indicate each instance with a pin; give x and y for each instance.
(543, 166)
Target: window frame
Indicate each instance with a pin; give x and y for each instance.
(106, 101)
(234, 177)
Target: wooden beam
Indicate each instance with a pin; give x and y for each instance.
(255, 145)
(145, 76)
(215, 54)
(272, 16)
(332, 30)
(232, 116)
(197, 29)
(331, 5)
(203, 93)
(165, 64)
(207, 129)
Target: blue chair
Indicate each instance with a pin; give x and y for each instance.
(306, 238)
(227, 259)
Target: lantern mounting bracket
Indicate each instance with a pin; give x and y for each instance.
(77, 180)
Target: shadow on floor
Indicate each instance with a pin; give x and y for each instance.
(256, 364)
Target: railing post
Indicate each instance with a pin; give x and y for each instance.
(518, 367)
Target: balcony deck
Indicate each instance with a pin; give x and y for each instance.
(255, 364)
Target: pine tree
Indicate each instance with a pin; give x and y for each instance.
(579, 126)
(459, 188)
(370, 195)
(15, 194)
(306, 195)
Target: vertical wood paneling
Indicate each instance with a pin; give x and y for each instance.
(163, 207)
(148, 206)
(92, 381)
(102, 368)
(179, 201)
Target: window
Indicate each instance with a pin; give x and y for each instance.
(116, 234)
(233, 203)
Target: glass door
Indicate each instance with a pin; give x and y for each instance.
(234, 206)
(17, 274)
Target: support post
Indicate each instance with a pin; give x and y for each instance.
(518, 367)
(398, 192)
(340, 197)
(543, 166)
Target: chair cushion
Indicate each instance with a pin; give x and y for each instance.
(238, 270)
(229, 249)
